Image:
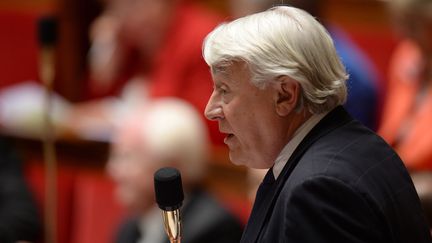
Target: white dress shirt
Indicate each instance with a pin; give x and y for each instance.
(289, 148)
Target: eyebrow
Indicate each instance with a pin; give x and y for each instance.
(222, 65)
(219, 70)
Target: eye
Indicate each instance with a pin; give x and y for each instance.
(223, 91)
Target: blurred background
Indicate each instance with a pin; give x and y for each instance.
(366, 21)
(88, 98)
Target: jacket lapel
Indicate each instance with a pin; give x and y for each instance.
(262, 211)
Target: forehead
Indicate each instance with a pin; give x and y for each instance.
(230, 72)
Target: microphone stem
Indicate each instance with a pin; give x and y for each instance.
(47, 77)
(172, 223)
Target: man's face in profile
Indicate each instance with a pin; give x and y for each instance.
(246, 114)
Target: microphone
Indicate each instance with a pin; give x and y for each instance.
(47, 37)
(169, 197)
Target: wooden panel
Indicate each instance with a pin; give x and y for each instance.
(27, 5)
(362, 15)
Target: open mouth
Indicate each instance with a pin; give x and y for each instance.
(228, 137)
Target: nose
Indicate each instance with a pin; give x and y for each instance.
(116, 168)
(213, 110)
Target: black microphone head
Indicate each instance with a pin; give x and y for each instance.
(47, 30)
(168, 188)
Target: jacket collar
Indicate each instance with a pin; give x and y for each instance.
(260, 215)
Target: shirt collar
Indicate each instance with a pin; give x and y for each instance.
(289, 148)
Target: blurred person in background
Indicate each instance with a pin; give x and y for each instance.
(150, 48)
(407, 112)
(166, 132)
(19, 217)
(362, 102)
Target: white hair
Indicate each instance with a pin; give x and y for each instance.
(282, 41)
(174, 132)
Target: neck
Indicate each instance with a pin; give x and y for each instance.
(291, 124)
(296, 121)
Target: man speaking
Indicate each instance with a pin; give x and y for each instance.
(278, 92)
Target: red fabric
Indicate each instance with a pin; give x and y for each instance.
(87, 211)
(35, 174)
(238, 206)
(178, 69)
(414, 146)
(18, 47)
(96, 212)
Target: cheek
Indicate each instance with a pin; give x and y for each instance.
(141, 178)
(117, 170)
(254, 124)
(135, 185)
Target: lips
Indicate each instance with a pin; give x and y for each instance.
(228, 137)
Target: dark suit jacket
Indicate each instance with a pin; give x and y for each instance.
(342, 184)
(204, 220)
(19, 217)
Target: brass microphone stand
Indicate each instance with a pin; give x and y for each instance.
(47, 36)
(172, 224)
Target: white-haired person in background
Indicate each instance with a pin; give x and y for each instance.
(279, 87)
(166, 132)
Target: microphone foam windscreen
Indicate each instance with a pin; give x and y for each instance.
(168, 188)
(47, 30)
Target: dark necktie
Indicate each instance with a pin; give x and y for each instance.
(258, 209)
(263, 189)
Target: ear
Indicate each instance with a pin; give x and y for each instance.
(288, 92)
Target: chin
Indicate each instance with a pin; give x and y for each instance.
(237, 159)
(248, 161)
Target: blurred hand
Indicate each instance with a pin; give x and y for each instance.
(106, 54)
